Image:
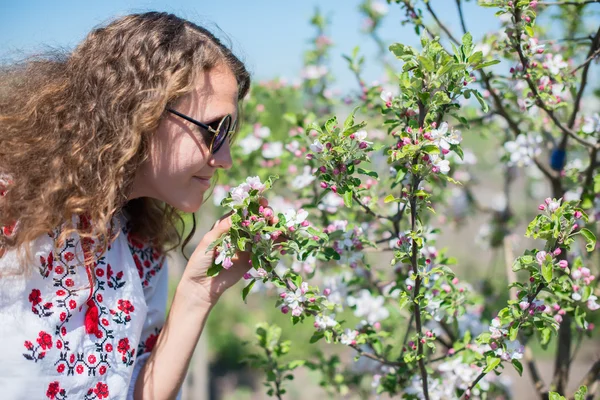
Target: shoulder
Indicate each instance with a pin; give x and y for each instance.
(148, 258)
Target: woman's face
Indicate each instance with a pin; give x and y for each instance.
(180, 165)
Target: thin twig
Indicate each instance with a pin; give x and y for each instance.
(539, 102)
(440, 24)
(568, 3)
(594, 51)
(368, 209)
(587, 61)
(462, 17)
(591, 378)
(475, 382)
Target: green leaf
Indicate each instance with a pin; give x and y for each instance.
(581, 392)
(316, 337)
(486, 64)
(295, 364)
(491, 364)
(590, 238)
(426, 63)
(555, 396)
(247, 289)
(518, 366)
(547, 270)
(348, 198)
(482, 103)
(330, 124)
(214, 270)
(372, 174)
(389, 198)
(350, 120)
(431, 149)
(529, 31)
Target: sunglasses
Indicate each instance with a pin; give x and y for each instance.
(220, 131)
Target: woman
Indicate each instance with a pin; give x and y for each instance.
(98, 150)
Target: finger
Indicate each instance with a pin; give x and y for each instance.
(219, 228)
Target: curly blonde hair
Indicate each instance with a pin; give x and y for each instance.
(75, 128)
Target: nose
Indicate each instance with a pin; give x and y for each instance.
(222, 158)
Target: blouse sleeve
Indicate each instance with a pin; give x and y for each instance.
(155, 284)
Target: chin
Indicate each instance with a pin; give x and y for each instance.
(189, 206)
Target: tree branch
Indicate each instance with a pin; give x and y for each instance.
(539, 102)
(568, 3)
(594, 51)
(440, 24)
(591, 379)
(462, 17)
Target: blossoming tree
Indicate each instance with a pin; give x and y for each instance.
(348, 192)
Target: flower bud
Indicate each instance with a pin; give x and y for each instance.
(285, 309)
(324, 185)
(563, 264)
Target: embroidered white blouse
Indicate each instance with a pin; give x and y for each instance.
(62, 338)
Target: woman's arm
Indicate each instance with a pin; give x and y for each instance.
(164, 372)
(162, 375)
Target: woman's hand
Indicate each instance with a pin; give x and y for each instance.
(207, 288)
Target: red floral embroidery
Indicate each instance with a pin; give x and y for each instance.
(98, 392)
(148, 344)
(147, 258)
(112, 280)
(125, 349)
(54, 391)
(41, 310)
(44, 342)
(122, 316)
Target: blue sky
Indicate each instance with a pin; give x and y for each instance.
(270, 35)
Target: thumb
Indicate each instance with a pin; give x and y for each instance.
(219, 228)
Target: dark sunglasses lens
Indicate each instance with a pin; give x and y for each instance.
(222, 133)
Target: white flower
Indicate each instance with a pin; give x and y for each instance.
(219, 193)
(555, 63)
(331, 202)
(379, 8)
(249, 144)
(307, 266)
(523, 149)
(348, 337)
(313, 72)
(220, 257)
(293, 218)
(294, 299)
(262, 131)
(239, 194)
(591, 124)
(272, 150)
(301, 181)
(440, 163)
(293, 146)
(591, 303)
(386, 96)
(442, 138)
(317, 146)
(496, 329)
(325, 321)
(255, 183)
(369, 307)
(484, 48)
(534, 45)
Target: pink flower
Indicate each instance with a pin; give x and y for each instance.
(227, 263)
(563, 264)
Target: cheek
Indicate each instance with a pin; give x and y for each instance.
(178, 158)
